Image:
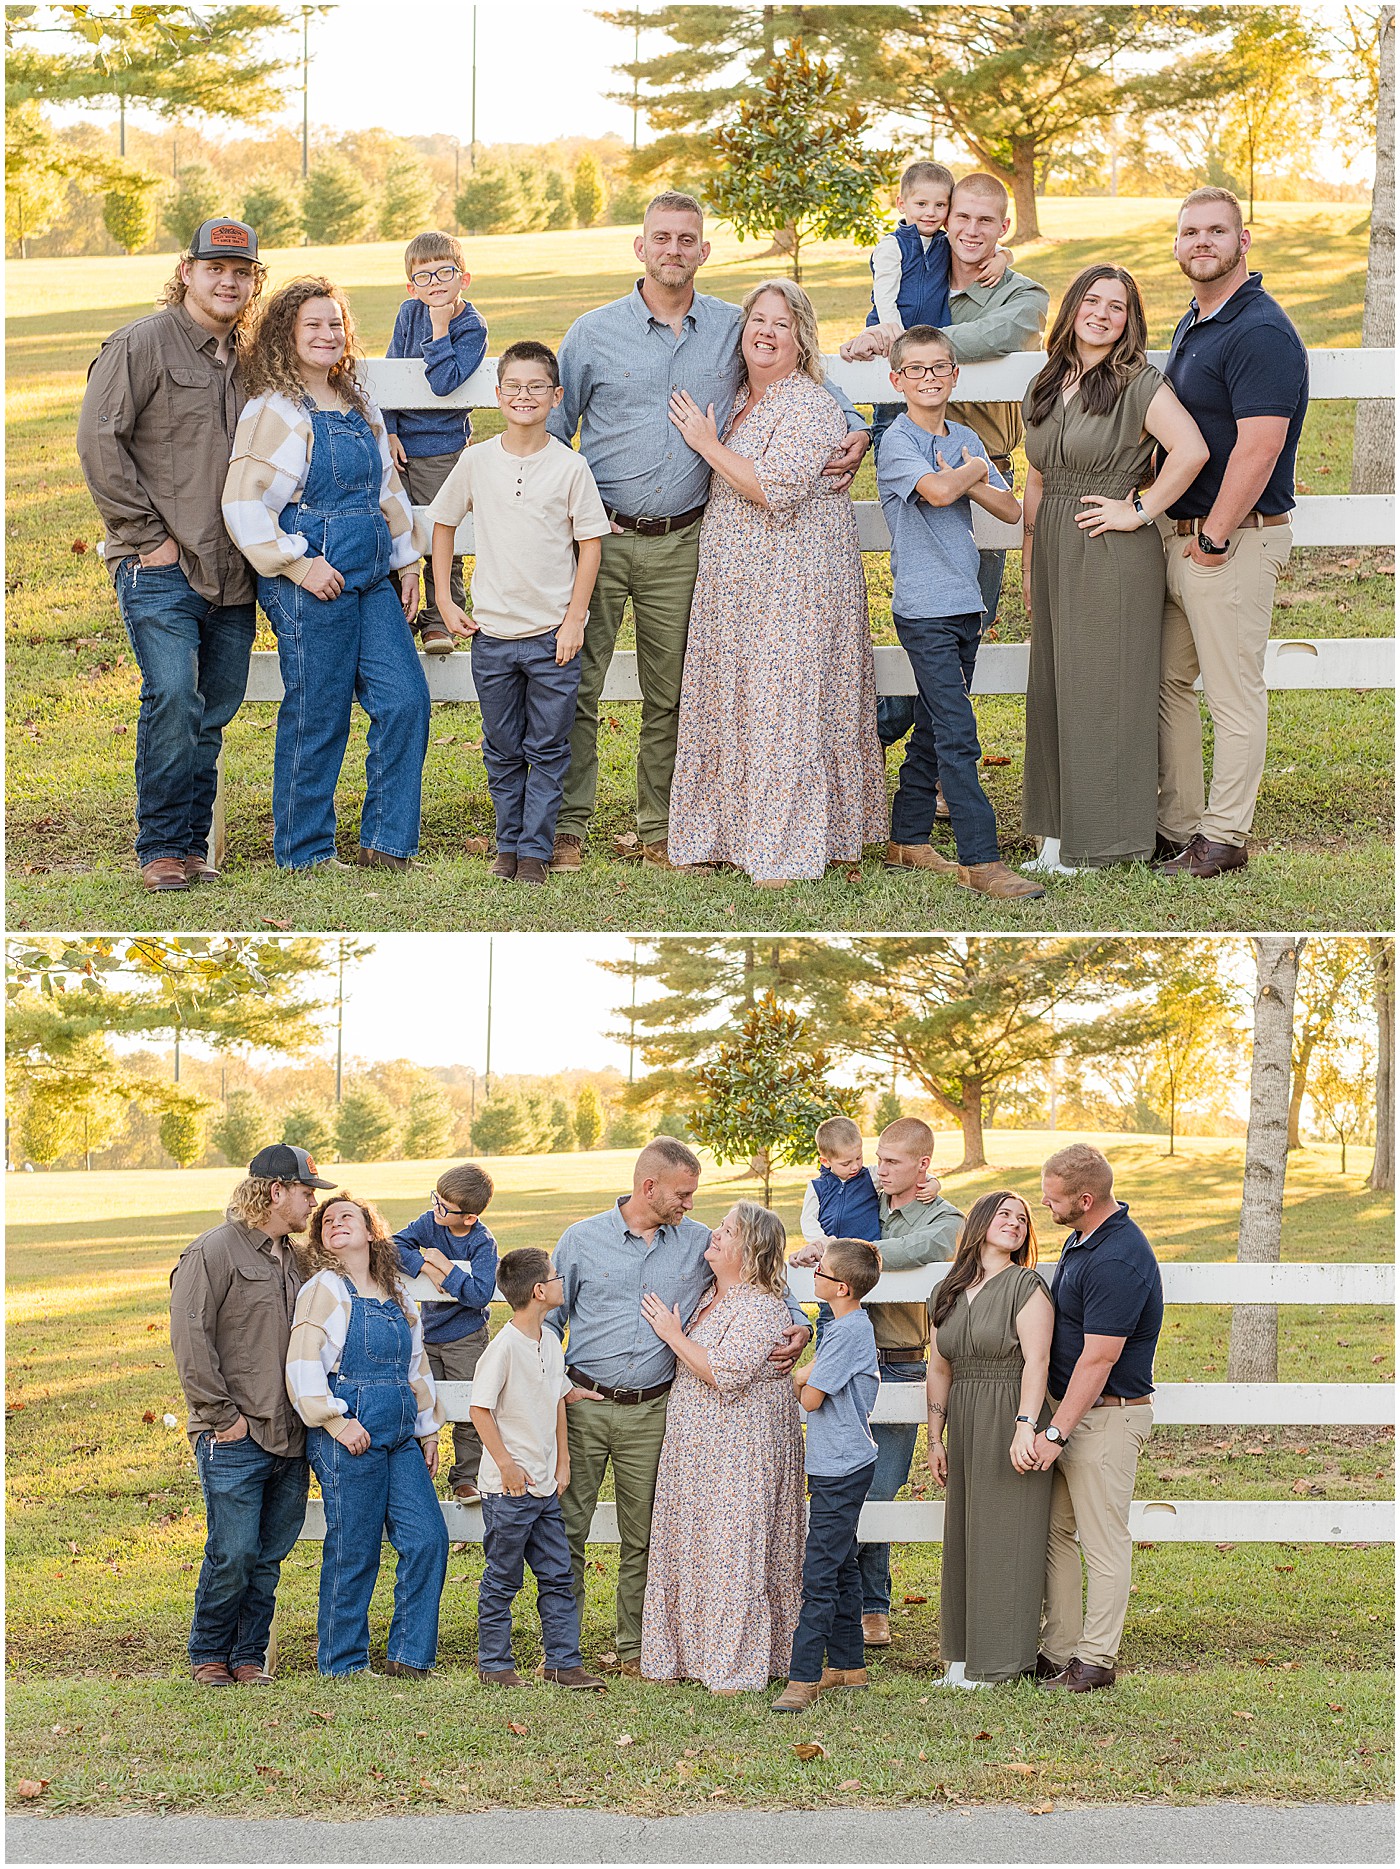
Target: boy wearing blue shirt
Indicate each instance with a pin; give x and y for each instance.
(929, 471)
(838, 1390)
(447, 331)
(449, 1245)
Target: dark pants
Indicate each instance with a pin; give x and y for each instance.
(944, 746)
(895, 1442)
(422, 476)
(894, 713)
(456, 1362)
(521, 1531)
(829, 1626)
(193, 658)
(254, 1505)
(527, 714)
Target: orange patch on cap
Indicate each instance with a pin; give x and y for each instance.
(227, 235)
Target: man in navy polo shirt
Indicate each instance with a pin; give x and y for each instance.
(1241, 370)
(1108, 1316)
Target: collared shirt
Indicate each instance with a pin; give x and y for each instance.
(154, 437)
(847, 1372)
(231, 1307)
(917, 1233)
(1245, 359)
(990, 322)
(467, 1288)
(1108, 1285)
(607, 1269)
(619, 365)
(933, 554)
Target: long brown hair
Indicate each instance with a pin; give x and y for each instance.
(1104, 384)
(383, 1254)
(966, 1268)
(270, 364)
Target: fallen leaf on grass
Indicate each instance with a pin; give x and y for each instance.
(271, 921)
(1240, 1714)
(982, 1735)
(268, 1771)
(518, 1727)
(317, 1714)
(1013, 1765)
(996, 759)
(1107, 1740)
(1224, 1547)
(810, 1750)
(721, 1793)
(1040, 1810)
(148, 1417)
(610, 1659)
(849, 1784)
(443, 739)
(684, 1769)
(916, 1599)
(1333, 1706)
(476, 846)
(692, 1752)
(31, 1787)
(624, 1739)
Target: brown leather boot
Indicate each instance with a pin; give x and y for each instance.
(918, 857)
(198, 869)
(407, 1670)
(568, 853)
(503, 869)
(1204, 859)
(211, 1674)
(995, 879)
(381, 860)
(797, 1696)
(576, 1677)
(1081, 1677)
(532, 870)
(164, 874)
(844, 1677)
(249, 1674)
(499, 1677)
(876, 1630)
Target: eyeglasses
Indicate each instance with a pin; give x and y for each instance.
(440, 1206)
(830, 1277)
(916, 372)
(442, 277)
(514, 391)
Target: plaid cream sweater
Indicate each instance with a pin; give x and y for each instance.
(319, 1327)
(271, 460)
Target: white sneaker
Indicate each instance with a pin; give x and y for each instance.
(956, 1675)
(1046, 861)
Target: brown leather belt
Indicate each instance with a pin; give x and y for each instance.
(1122, 1401)
(1252, 522)
(902, 1356)
(1002, 463)
(649, 528)
(627, 1397)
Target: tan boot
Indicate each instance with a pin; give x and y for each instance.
(995, 879)
(876, 1630)
(918, 857)
(844, 1677)
(568, 853)
(657, 856)
(797, 1696)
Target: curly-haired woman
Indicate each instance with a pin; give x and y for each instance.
(724, 1576)
(358, 1378)
(1093, 574)
(313, 501)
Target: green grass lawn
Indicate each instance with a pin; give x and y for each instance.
(1279, 1653)
(1324, 856)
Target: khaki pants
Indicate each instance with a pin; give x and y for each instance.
(1216, 625)
(1093, 1489)
(629, 1437)
(456, 1362)
(422, 476)
(659, 576)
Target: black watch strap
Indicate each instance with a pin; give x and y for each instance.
(1209, 546)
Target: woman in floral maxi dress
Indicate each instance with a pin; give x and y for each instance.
(724, 1578)
(778, 764)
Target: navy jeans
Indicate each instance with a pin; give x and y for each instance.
(895, 1442)
(944, 744)
(894, 713)
(829, 1626)
(193, 658)
(355, 647)
(254, 1505)
(385, 1491)
(521, 1531)
(527, 714)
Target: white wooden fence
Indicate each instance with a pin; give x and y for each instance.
(1216, 1404)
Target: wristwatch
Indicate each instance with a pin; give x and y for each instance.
(1140, 510)
(1054, 1436)
(1209, 546)
(1029, 1419)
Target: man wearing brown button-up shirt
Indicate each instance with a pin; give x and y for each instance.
(232, 1294)
(154, 437)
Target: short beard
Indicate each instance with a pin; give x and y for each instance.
(1221, 267)
(654, 274)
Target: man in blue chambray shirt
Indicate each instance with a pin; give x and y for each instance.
(619, 365)
(620, 1368)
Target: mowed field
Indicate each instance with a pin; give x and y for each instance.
(1325, 815)
(1253, 1671)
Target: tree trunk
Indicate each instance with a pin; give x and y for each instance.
(1373, 446)
(1296, 1091)
(1254, 1327)
(1382, 1177)
(1171, 1118)
(1027, 223)
(970, 1116)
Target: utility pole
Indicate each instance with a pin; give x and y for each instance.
(340, 1022)
(473, 148)
(632, 1021)
(306, 99)
(490, 994)
(636, 59)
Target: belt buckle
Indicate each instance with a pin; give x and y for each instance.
(649, 526)
(622, 1394)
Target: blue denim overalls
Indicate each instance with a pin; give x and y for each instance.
(384, 1491)
(353, 647)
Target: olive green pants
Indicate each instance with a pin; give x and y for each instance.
(629, 1437)
(659, 576)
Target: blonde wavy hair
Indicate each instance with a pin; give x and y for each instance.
(804, 323)
(316, 1256)
(251, 1201)
(270, 364)
(764, 1239)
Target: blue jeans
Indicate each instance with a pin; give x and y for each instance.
(521, 1531)
(193, 658)
(829, 1626)
(895, 1442)
(894, 713)
(527, 714)
(944, 745)
(254, 1504)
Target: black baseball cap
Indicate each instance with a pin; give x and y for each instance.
(279, 1161)
(223, 238)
